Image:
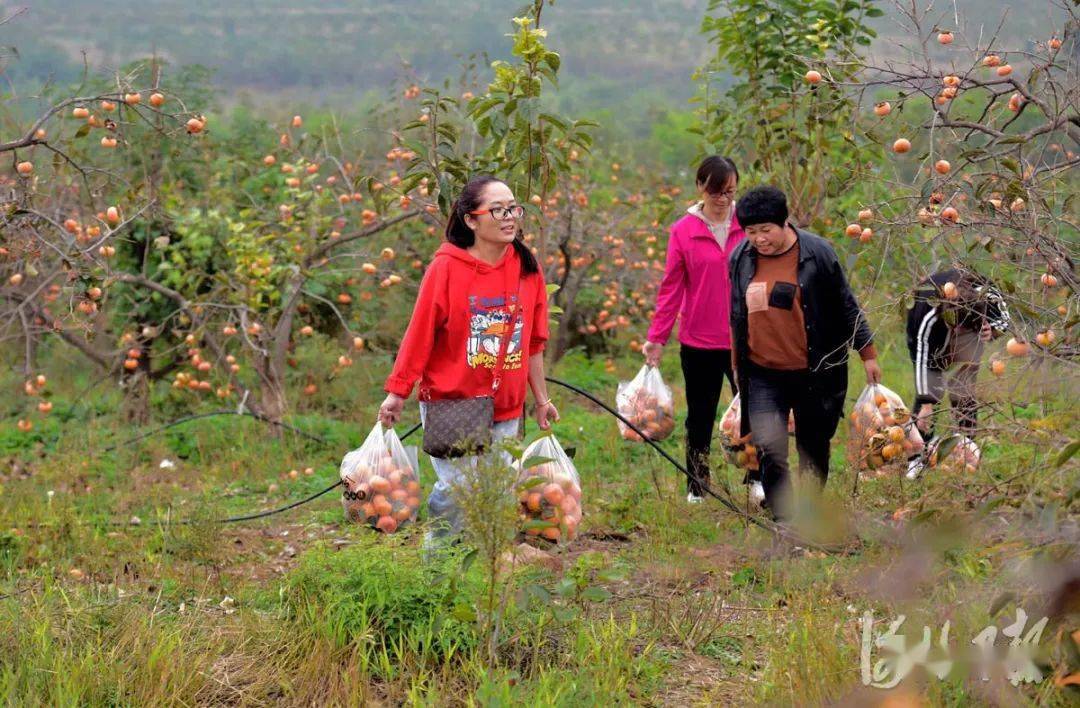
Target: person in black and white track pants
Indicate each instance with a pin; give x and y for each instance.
(947, 329)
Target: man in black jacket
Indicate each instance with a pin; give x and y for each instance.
(793, 318)
(955, 313)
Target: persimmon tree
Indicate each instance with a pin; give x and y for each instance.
(79, 208)
(507, 130)
(191, 257)
(982, 142)
(113, 244)
(606, 229)
(785, 125)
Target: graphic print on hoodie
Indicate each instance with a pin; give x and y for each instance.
(489, 318)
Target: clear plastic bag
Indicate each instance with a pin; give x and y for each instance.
(646, 402)
(382, 488)
(954, 453)
(549, 492)
(883, 431)
(737, 449)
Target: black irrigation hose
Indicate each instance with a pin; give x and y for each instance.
(246, 517)
(16, 593)
(210, 414)
(768, 526)
(757, 521)
(271, 512)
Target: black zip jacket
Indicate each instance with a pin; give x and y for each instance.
(932, 319)
(834, 320)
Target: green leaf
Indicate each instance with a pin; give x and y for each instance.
(467, 560)
(538, 592)
(559, 123)
(564, 614)
(535, 461)
(1011, 164)
(1067, 452)
(409, 182)
(744, 576)
(595, 593)
(612, 575)
(946, 446)
(447, 131)
(482, 106)
(464, 613)
(566, 587)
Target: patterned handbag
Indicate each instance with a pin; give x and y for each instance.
(458, 426)
(455, 427)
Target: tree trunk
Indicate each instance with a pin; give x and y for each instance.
(272, 400)
(565, 332)
(31, 341)
(136, 405)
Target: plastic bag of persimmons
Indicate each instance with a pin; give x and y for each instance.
(382, 488)
(738, 449)
(883, 432)
(646, 402)
(549, 492)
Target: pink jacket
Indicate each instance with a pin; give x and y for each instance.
(696, 282)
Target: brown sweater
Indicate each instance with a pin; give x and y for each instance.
(777, 329)
(774, 303)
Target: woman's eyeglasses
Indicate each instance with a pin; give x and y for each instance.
(728, 194)
(501, 213)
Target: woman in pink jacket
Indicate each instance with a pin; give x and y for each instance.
(697, 289)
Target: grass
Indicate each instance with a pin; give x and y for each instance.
(655, 603)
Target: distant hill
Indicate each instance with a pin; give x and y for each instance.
(330, 49)
(338, 45)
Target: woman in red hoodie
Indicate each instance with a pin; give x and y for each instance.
(696, 289)
(466, 303)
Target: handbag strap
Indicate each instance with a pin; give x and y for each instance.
(504, 342)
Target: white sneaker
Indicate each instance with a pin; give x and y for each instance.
(692, 498)
(757, 493)
(914, 468)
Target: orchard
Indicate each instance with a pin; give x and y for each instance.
(201, 298)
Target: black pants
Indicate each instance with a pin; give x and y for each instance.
(772, 394)
(704, 371)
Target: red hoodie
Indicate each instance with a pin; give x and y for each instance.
(453, 337)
